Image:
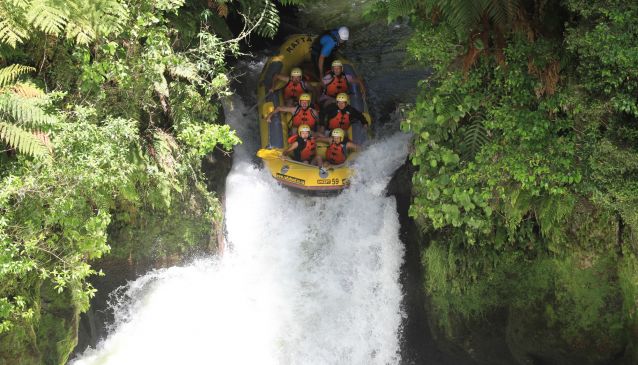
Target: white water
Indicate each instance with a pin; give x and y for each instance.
(303, 281)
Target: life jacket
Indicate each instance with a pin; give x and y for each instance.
(305, 150)
(315, 49)
(292, 91)
(337, 84)
(336, 153)
(340, 120)
(304, 116)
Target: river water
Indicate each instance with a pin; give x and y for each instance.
(303, 280)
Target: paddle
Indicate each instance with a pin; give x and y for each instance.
(268, 154)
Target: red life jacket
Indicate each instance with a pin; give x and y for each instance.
(304, 116)
(340, 120)
(338, 84)
(292, 91)
(305, 150)
(336, 153)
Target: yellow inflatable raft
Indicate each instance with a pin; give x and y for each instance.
(295, 52)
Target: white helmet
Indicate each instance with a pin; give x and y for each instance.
(344, 33)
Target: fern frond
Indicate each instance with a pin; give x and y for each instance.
(400, 8)
(10, 73)
(473, 137)
(22, 140)
(107, 16)
(13, 28)
(24, 112)
(80, 31)
(184, 70)
(11, 33)
(503, 12)
(269, 21)
(49, 19)
(27, 90)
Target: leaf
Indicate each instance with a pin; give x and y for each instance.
(49, 19)
(27, 90)
(24, 111)
(23, 140)
(473, 137)
(10, 73)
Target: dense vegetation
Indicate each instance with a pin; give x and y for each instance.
(107, 108)
(526, 142)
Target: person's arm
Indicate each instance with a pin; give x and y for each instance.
(358, 115)
(291, 148)
(287, 109)
(351, 146)
(274, 80)
(327, 45)
(322, 58)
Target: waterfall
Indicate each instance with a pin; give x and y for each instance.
(303, 280)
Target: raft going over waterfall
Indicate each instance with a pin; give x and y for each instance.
(295, 52)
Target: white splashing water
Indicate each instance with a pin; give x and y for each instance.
(305, 280)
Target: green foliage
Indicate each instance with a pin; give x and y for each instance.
(80, 20)
(9, 74)
(473, 137)
(126, 128)
(22, 114)
(527, 162)
(22, 140)
(464, 17)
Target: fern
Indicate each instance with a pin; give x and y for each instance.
(80, 31)
(265, 16)
(400, 8)
(473, 137)
(27, 90)
(464, 16)
(185, 70)
(22, 140)
(105, 17)
(49, 19)
(11, 33)
(24, 112)
(22, 117)
(81, 20)
(13, 28)
(10, 73)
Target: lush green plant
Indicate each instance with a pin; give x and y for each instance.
(135, 105)
(526, 153)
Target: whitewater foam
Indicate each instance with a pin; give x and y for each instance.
(304, 280)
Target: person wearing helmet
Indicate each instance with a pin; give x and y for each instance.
(303, 113)
(336, 81)
(294, 87)
(325, 46)
(303, 147)
(340, 115)
(338, 148)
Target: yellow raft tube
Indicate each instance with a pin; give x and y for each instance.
(295, 52)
